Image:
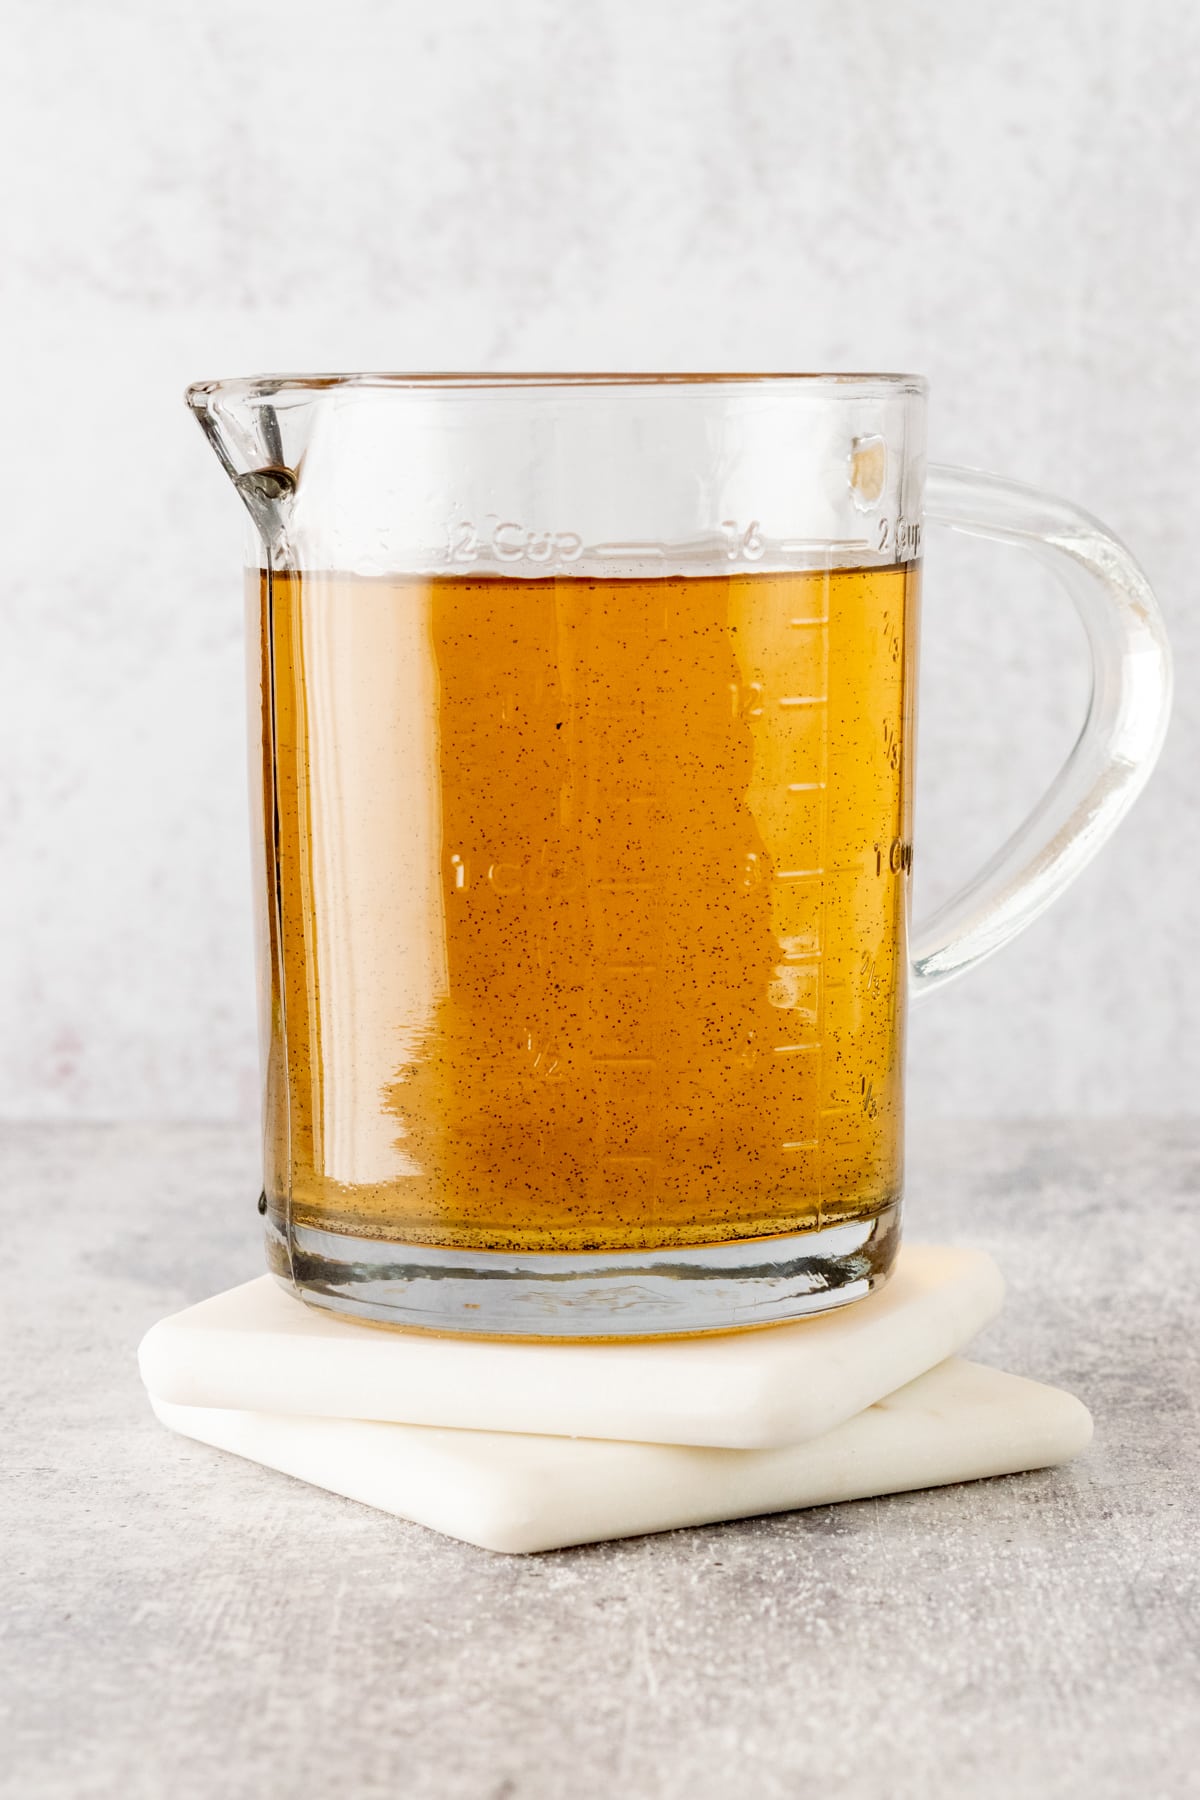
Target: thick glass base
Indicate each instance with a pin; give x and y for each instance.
(601, 1294)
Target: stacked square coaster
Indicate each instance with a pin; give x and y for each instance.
(531, 1446)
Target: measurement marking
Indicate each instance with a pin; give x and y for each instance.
(796, 874)
(801, 546)
(795, 1049)
(807, 624)
(805, 787)
(802, 1144)
(626, 550)
(803, 699)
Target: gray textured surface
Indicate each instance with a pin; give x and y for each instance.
(1001, 196)
(176, 1622)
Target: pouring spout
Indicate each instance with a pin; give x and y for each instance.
(259, 430)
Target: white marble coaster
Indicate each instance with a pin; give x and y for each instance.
(256, 1348)
(511, 1492)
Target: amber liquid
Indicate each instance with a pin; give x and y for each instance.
(584, 904)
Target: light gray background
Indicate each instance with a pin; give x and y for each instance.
(1002, 197)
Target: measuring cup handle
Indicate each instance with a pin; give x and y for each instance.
(1121, 736)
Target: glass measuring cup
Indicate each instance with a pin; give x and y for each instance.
(586, 710)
